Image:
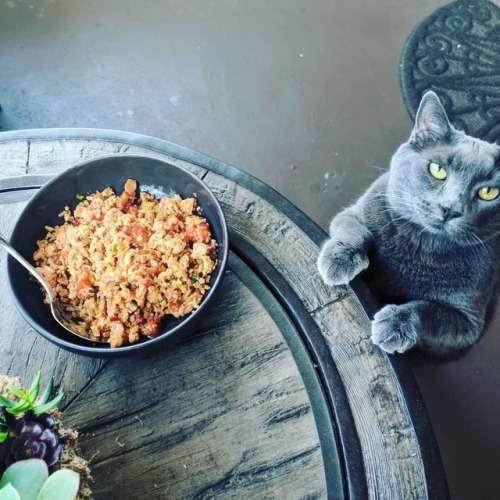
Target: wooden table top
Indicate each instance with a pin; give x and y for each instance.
(278, 393)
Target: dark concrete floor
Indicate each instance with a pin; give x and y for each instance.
(302, 94)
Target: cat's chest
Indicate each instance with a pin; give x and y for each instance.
(401, 269)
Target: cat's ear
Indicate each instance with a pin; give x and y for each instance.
(431, 124)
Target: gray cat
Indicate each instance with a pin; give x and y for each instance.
(425, 237)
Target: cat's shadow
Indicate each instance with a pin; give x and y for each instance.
(420, 359)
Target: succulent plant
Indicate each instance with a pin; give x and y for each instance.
(27, 428)
(30, 480)
(28, 398)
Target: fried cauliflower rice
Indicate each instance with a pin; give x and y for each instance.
(127, 261)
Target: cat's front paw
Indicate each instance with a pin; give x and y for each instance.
(395, 328)
(339, 263)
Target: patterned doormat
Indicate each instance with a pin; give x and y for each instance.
(456, 52)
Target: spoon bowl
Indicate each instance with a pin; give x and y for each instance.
(61, 312)
(156, 176)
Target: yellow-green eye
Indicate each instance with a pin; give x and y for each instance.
(437, 171)
(488, 193)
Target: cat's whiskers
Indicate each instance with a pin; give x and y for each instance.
(402, 201)
(414, 207)
(397, 219)
(480, 242)
(380, 169)
(390, 210)
(473, 245)
(420, 233)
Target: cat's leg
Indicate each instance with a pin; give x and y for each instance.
(345, 254)
(436, 328)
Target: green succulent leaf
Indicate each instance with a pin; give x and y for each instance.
(8, 403)
(61, 485)
(27, 477)
(28, 398)
(48, 391)
(8, 492)
(21, 407)
(20, 393)
(30, 480)
(3, 436)
(51, 405)
(35, 385)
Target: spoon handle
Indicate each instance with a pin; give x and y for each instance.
(12, 251)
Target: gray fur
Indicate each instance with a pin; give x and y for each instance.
(427, 248)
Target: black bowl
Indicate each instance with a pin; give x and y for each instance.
(153, 175)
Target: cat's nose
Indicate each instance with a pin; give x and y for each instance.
(449, 213)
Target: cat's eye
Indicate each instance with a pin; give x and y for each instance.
(437, 171)
(488, 193)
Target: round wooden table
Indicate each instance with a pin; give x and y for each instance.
(278, 393)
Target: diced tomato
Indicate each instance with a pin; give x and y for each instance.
(130, 186)
(138, 233)
(97, 215)
(198, 234)
(147, 281)
(56, 259)
(125, 201)
(154, 271)
(172, 228)
(151, 328)
(127, 198)
(83, 282)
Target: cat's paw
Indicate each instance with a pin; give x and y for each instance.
(395, 328)
(339, 263)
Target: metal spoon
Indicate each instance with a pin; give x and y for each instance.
(59, 310)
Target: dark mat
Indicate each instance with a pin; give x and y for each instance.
(455, 51)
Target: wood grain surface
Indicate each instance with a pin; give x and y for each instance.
(224, 413)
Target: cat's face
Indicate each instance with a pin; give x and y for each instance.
(444, 181)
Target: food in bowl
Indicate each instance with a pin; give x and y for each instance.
(125, 262)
